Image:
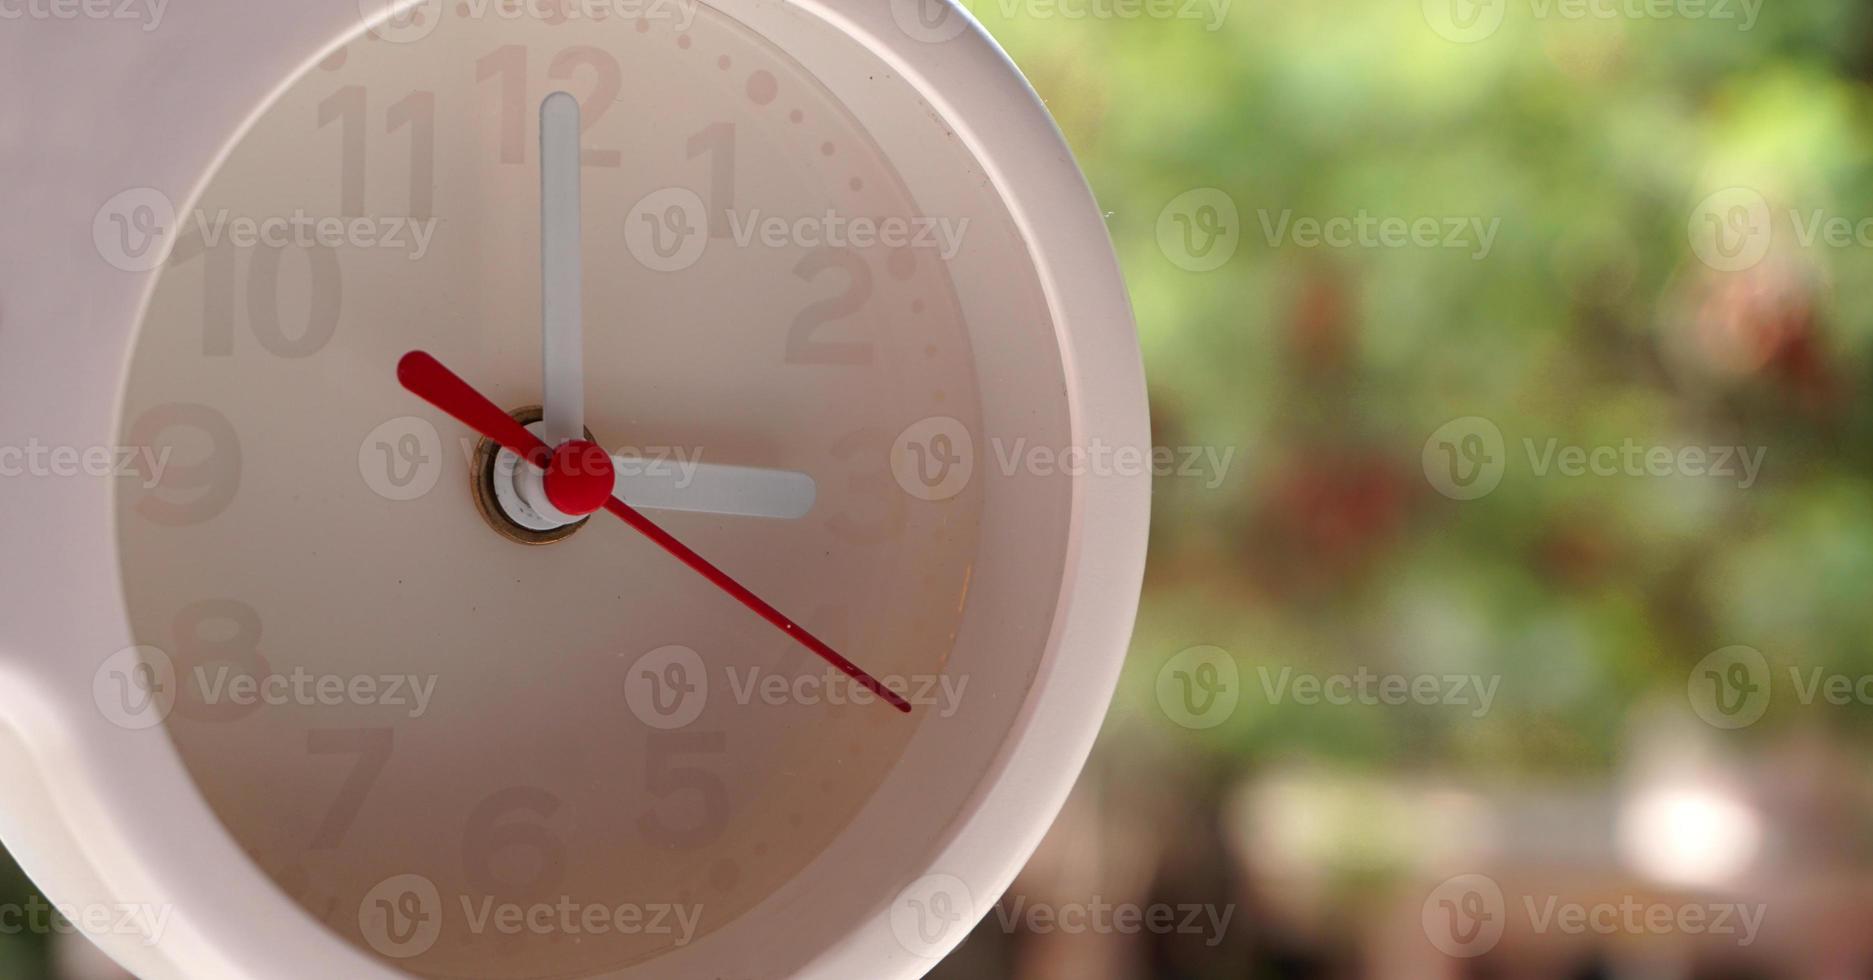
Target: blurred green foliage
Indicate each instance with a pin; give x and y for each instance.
(24, 954)
(1591, 321)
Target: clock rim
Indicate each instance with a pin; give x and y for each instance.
(115, 806)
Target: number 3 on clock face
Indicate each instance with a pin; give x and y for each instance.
(793, 294)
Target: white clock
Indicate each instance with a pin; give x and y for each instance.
(550, 489)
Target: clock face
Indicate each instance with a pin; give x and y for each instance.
(474, 754)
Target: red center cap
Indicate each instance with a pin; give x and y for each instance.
(579, 478)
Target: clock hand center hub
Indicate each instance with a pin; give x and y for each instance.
(579, 478)
(512, 495)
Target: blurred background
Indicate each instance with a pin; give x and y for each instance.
(1508, 605)
(1478, 658)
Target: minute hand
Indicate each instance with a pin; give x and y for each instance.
(562, 328)
(425, 377)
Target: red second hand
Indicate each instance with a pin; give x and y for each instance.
(426, 378)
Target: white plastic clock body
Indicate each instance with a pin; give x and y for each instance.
(298, 660)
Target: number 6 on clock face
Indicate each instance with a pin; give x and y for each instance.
(791, 292)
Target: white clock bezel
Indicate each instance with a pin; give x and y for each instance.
(102, 814)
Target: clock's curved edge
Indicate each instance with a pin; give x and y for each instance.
(132, 781)
(982, 94)
(124, 824)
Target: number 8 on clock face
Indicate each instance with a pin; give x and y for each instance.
(773, 287)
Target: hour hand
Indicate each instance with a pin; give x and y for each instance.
(713, 488)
